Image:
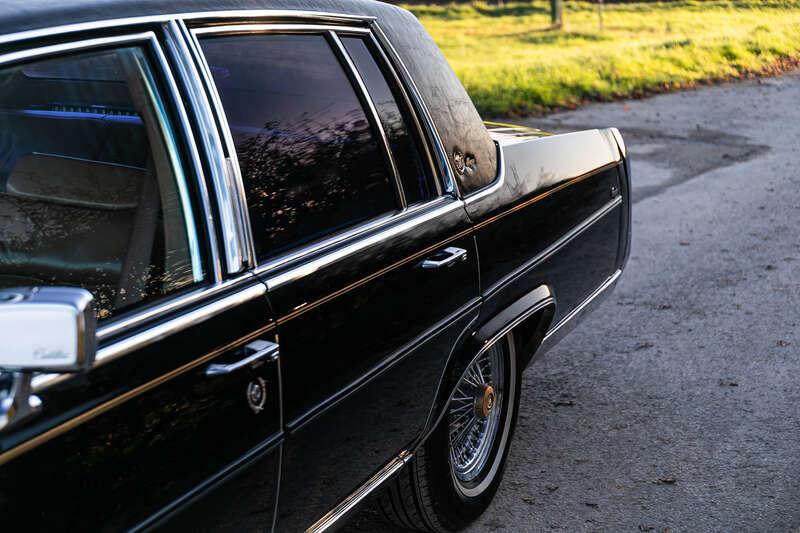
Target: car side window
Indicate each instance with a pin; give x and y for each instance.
(405, 144)
(92, 192)
(309, 159)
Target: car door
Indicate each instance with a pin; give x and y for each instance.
(371, 269)
(100, 188)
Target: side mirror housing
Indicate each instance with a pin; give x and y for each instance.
(47, 329)
(43, 329)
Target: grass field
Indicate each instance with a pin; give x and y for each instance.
(512, 64)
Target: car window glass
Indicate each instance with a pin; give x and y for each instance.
(416, 179)
(309, 160)
(91, 189)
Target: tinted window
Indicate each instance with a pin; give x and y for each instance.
(308, 157)
(90, 185)
(417, 183)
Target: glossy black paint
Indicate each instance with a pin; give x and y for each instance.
(157, 446)
(366, 341)
(360, 369)
(546, 189)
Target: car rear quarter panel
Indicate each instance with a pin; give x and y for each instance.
(556, 216)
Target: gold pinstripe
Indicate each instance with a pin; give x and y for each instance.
(114, 402)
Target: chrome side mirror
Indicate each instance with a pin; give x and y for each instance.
(42, 329)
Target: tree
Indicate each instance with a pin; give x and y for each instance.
(557, 13)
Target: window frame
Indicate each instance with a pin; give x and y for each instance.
(192, 192)
(333, 247)
(189, 90)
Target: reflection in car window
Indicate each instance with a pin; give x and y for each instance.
(417, 183)
(308, 157)
(91, 193)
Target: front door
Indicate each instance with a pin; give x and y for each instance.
(184, 396)
(371, 271)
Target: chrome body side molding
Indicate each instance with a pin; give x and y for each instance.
(566, 324)
(555, 247)
(347, 505)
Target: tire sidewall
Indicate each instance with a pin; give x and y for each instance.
(454, 508)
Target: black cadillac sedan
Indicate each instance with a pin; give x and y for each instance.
(261, 262)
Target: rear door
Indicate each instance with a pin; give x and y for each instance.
(100, 188)
(371, 269)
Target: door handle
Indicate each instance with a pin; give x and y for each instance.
(446, 257)
(256, 350)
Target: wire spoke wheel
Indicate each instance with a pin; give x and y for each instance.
(475, 412)
(454, 475)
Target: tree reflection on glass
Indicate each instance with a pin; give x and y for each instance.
(306, 178)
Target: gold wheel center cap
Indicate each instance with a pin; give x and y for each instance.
(484, 402)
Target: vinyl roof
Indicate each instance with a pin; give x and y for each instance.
(25, 15)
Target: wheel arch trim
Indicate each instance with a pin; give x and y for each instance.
(540, 300)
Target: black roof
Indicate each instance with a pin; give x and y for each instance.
(23, 15)
(452, 111)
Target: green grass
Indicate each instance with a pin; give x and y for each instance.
(512, 64)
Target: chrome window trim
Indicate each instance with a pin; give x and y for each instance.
(342, 52)
(174, 43)
(80, 44)
(193, 16)
(240, 251)
(252, 27)
(495, 185)
(394, 223)
(413, 218)
(235, 182)
(175, 158)
(398, 83)
(163, 330)
(418, 106)
(116, 326)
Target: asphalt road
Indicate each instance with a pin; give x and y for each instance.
(675, 406)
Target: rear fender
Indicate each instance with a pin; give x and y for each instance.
(531, 316)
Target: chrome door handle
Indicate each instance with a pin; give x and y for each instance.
(446, 257)
(257, 350)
